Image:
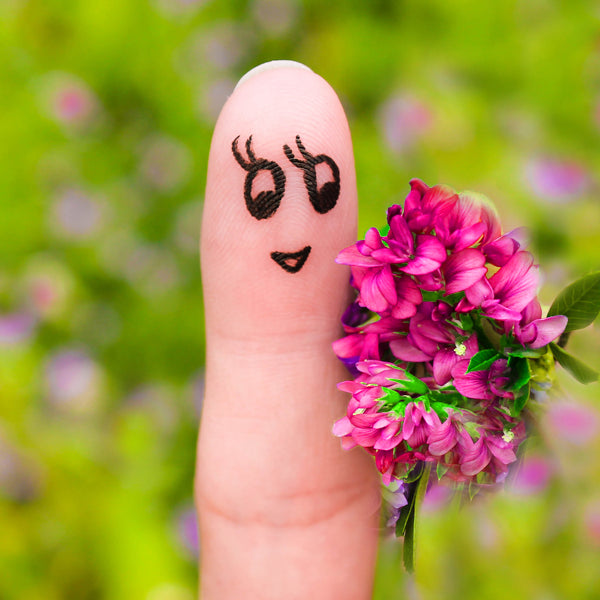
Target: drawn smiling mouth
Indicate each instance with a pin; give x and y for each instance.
(291, 262)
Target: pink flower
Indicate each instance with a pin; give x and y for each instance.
(506, 293)
(470, 220)
(418, 256)
(499, 251)
(424, 205)
(488, 384)
(463, 269)
(533, 331)
(446, 357)
(490, 450)
(443, 438)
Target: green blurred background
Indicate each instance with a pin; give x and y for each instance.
(106, 113)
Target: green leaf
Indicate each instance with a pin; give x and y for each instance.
(384, 231)
(410, 530)
(441, 470)
(412, 384)
(483, 360)
(520, 373)
(405, 513)
(521, 398)
(525, 352)
(408, 551)
(578, 369)
(466, 321)
(579, 302)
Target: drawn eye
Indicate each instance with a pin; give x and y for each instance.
(323, 195)
(264, 204)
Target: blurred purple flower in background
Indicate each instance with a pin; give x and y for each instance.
(151, 268)
(556, 180)
(275, 17)
(187, 227)
(156, 400)
(20, 476)
(180, 7)
(165, 163)
(404, 119)
(16, 327)
(223, 46)
(186, 529)
(196, 392)
(74, 214)
(212, 97)
(73, 381)
(437, 496)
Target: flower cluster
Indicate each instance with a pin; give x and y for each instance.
(446, 342)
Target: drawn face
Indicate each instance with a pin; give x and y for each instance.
(322, 185)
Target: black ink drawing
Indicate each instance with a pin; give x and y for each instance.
(325, 198)
(267, 201)
(291, 262)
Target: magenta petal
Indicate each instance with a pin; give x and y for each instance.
(342, 427)
(463, 269)
(385, 255)
(378, 291)
(546, 330)
(495, 310)
(501, 450)
(404, 350)
(469, 235)
(472, 385)
(442, 439)
(476, 459)
(481, 290)
(351, 256)
(443, 362)
(400, 233)
(365, 437)
(515, 283)
(373, 239)
(429, 255)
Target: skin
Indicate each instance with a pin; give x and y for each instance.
(284, 512)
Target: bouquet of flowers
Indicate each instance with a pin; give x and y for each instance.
(448, 347)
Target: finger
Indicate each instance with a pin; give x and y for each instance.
(284, 512)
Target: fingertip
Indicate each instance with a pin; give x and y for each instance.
(280, 201)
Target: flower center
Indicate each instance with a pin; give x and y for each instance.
(460, 349)
(508, 436)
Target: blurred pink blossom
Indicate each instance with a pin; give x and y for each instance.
(403, 120)
(556, 180)
(574, 423)
(532, 476)
(592, 523)
(70, 100)
(47, 286)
